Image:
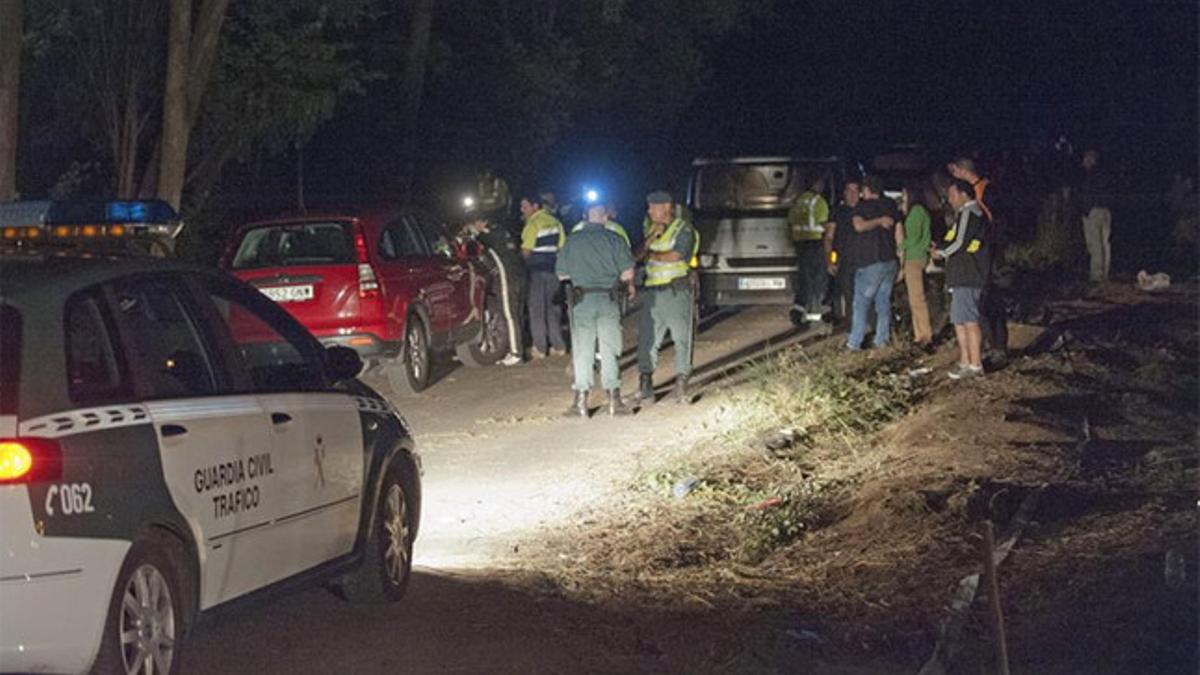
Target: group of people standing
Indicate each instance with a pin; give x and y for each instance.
(868, 243)
(592, 265)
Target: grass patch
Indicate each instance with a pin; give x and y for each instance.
(819, 398)
(739, 500)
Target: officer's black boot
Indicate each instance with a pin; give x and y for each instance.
(646, 387)
(617, 407)
(580, 407)
(680, 392)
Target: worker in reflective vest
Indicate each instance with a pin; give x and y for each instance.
(541, 238)
(669, 302)
(807, 218)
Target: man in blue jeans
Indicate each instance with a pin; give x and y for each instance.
(878, 229)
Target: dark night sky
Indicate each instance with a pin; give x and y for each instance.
(824, 75)
(972, 72)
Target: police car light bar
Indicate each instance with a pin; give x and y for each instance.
(62, 220)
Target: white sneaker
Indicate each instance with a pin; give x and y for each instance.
(813, 317)
(511, 360)
(964, 371)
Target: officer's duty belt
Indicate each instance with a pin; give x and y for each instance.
(577, 293)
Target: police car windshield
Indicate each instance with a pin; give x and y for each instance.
(295, 244)
(753, 187)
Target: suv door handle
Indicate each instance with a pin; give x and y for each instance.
(169, 430)
(279, 419)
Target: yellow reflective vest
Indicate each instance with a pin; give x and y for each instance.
(660, 272)
(808, 216)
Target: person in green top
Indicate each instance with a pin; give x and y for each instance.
(599, 266)
(915, 254)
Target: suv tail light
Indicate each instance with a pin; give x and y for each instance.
(368, 283)
(24, 460)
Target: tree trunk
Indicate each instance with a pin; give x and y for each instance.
(411, 90)
(175, 131)
(300, 177)
(201, 57)
(11, 26)
(190, 58)
(203, 53)
(127, 159)
(199, 69)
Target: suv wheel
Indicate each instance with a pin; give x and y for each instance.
(144, 627)
(409, 373)
(492, 343)
(387, 559)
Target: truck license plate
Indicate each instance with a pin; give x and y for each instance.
(288, 293)
(761, 283)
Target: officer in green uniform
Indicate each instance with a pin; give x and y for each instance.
(669, 303)
(599, 266)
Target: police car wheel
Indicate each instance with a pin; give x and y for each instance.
(409, 373)
(387, 560)
(145, 622)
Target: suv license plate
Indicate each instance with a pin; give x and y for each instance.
(761, 283)
(289, 293)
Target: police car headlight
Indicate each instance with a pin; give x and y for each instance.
(708, 260)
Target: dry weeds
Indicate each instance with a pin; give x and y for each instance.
(863, 523)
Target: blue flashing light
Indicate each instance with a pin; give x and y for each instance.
(592, 196)
(126, 212)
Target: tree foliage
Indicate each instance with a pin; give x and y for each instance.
(280, 74)
(524, 75)
(511, 83)
(97, 71)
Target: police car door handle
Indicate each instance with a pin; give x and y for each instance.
(169, 430)
(280, 419)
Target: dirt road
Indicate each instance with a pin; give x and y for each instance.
(501, 467)
(500, 462)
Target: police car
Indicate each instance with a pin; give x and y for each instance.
(171, 440)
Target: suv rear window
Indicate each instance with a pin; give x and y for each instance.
(295, 244)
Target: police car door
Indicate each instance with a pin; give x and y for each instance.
(316, 434)
(212, 439)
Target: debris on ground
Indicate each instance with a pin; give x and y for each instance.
(1152, 283)
(866, 522)
(684, 486)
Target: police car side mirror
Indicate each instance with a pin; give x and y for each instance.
(342, 363)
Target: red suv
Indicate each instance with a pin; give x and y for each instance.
(389, 283)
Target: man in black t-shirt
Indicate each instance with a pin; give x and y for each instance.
(878, 229)
(968, 256)
(838, 232)
(503, 257)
